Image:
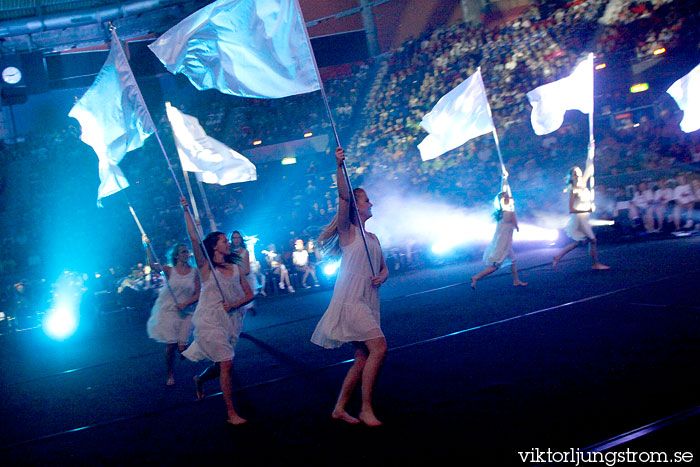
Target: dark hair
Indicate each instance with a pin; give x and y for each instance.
(209, 244)
(173, 253)
(242, 238)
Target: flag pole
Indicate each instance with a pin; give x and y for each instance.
(143, 234)
(198, 224)
(118, 43)
(337, 139)
(591, 139)
(494, 132)
(207, 209)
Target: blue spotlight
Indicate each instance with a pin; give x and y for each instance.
(331, 268)
(61, 322)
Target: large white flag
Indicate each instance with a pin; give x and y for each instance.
(686, 92)
(212, 160)
(551, 101)
(459, 115)
(113, 118)
(249, 48)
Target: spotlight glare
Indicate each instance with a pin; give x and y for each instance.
(60, 323)
(532, 233)
(331, 268)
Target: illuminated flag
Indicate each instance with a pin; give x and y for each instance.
(212, 160)
(249, 48)
(459, 115)
(686, 92)
(113, 118)
(551, 101)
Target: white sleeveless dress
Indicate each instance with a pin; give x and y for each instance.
(579, 228)
(500, 251)
(353, 314)
(167, 324)
(215, 331)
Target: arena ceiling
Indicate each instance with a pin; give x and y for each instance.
(60, 25)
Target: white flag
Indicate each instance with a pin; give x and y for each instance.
(212, 160)
(551, 101)
(460, 115)
(686, 92)
(113, 119)
(249, 48)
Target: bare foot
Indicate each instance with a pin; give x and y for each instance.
(519, 284)
(236, 419)
(600, 267)
(555, 262)
(473, 283)
(198, 388)
(171, 381)
(369, 419)
(344, 416)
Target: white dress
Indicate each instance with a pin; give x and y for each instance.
(353, 314)
(215, 331)
(167, 324)
(500, 251)
(579, 227)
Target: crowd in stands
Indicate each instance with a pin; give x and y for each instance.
(378, 106)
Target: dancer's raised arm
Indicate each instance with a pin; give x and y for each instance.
(151, 262)
(199, 257)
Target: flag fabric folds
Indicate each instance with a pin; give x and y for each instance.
(459, 115)
(551, 101)
(113, 119)
(686, 93)
(212, 160)
(249, 48)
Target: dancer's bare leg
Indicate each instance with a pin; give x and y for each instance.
(170, 362)
(593, 250)
(349, 384)
(377, 351)
(483, 273)
(227, 392)
(516, 280)
(563, 252)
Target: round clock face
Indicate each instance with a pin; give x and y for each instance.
(11, 75)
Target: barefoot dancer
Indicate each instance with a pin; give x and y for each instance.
(580, 206)
(353, 314)
(217, 322)
(170, 322)
(500, 251)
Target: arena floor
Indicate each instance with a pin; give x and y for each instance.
(578, 360)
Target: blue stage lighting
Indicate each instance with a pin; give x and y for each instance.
(331, 268)
(60, 323)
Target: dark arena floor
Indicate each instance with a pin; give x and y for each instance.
(577, 362)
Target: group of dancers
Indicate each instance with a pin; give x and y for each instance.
(353, 314)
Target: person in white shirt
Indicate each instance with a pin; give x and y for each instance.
(684, 199)
(662, 196)
(300, 258)
(642, 200)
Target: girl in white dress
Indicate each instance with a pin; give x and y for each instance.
(353, 314)
(241, 257)
(217, 320)
(500, 251)
(170, 321)
(580, 207)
